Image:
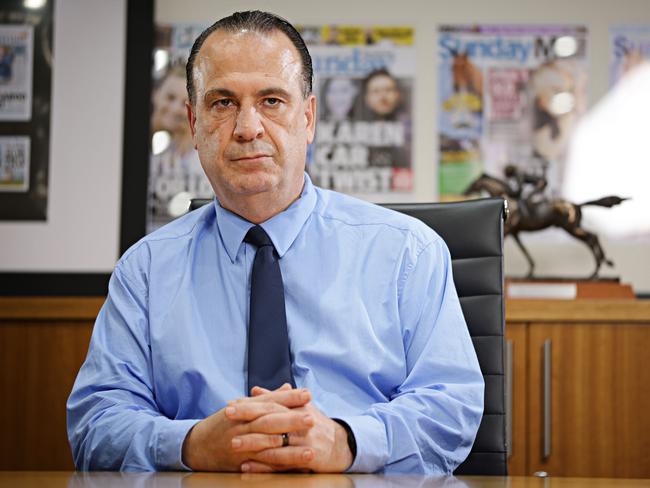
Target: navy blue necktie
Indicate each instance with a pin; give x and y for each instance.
(269, 359)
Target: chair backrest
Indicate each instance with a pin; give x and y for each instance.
(473, 232)
(198, 202)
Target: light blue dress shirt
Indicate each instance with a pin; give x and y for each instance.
(375, 329)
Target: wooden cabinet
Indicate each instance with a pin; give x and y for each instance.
(43, 342)
(580, 387)
(598, 360)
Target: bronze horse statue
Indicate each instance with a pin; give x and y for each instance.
(531, 215)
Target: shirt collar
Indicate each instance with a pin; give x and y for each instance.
(282, 228)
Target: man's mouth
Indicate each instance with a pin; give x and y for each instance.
(251, 157)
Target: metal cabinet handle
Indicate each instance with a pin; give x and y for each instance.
(547, 398)
(509, 379)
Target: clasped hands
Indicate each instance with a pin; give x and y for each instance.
(246, 436)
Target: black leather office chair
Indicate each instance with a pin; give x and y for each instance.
(473, 231)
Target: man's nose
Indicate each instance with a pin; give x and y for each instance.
(248, 125)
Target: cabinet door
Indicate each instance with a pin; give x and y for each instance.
(589, 398)
(516, 372)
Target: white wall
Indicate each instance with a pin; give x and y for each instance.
(82, 228)
(85, 164)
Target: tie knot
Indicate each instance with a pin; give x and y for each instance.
(258, 237)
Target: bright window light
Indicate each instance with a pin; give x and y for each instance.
(610, 155)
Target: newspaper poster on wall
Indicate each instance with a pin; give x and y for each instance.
(509, 96)
(26, 57)
(175, 173)
(630, 46)
(14, 164)
(16, 61)
(364, 78)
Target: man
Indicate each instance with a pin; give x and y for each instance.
(376, 336)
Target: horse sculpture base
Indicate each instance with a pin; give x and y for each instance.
(568, 288)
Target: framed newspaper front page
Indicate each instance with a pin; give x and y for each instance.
(79, 280)
(25, 100)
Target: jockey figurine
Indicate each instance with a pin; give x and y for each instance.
(519, 180)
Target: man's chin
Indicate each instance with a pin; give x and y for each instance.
(253, 183)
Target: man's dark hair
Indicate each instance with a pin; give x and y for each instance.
(254, 21)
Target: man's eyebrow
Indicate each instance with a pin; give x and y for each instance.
(218, 92)
(274, 91)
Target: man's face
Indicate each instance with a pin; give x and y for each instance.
(169, 105)
(382, 95)
(251, 123)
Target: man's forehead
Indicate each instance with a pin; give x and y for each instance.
(244, 51)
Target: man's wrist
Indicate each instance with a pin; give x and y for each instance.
(185, 450)
(349, 439)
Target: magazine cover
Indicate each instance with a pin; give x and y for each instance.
(14, 164)
(175, 173)
(630, 46)
(508, 95)
(364, 84)
(16, 61)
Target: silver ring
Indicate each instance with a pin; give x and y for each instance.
(285, 439)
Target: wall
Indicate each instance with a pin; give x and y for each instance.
(87, 115)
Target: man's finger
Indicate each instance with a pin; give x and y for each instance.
(279, 423)
(258, 390)
(256, 442)
(290, 457)
(257, 467)
(290, 398)
(247, 412)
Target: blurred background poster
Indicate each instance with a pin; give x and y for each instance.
(16, 61)
(175, 173)
(508, 95)
(630, 47)
(14, 164)
(25, 109)
(364, 84)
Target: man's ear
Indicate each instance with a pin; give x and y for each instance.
(310, 118)
(191, 118)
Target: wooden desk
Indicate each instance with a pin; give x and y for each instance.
(61, 479)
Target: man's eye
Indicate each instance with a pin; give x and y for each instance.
(272, 102)
(223, 103)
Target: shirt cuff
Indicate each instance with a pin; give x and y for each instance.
(372, 445)
(169, 445)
